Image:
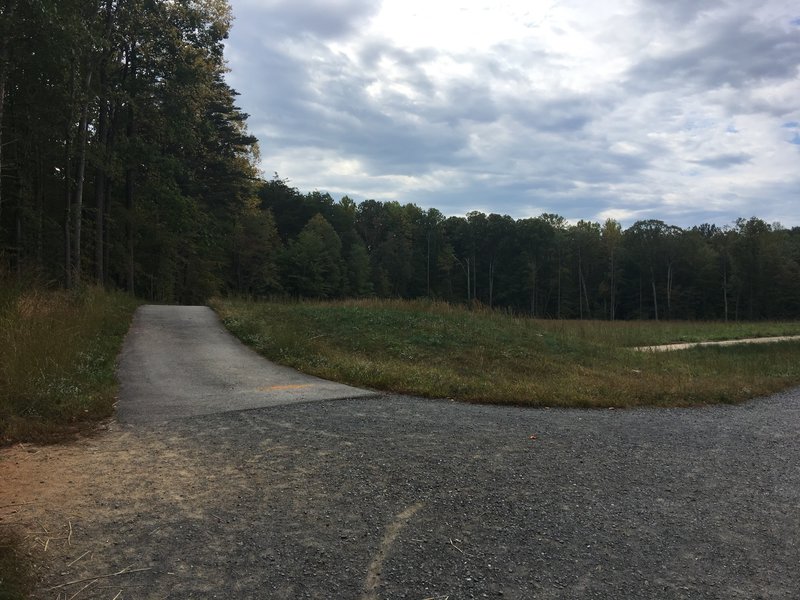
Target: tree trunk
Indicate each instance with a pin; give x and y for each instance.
(18, 244)
(428, 267)
(3, 76)
(558, 299)
(39, 195)
(474, 277)
(469, 287)
(491, 282)
(580, 289)
(104, 142)
(725, 288)
(68, 205)
(669, 290)
(100, 210)
(130, 176)
(100, 190)
(586, 296)
(68, 212)
(612, 308)
(78, 209)
(4, 68)
(655, 296)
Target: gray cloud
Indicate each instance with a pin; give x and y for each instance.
(723, 161)
(325, 19)
(737, 51)
(679, 12)
(502, 133)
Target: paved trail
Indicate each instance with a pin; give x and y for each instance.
(179, 361)
(397, 497)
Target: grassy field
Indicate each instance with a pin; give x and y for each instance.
(57, 357)
(437, 350)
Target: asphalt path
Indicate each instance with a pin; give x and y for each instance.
(210, 489)
(179, 361)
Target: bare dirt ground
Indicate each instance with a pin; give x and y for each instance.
(398, 497)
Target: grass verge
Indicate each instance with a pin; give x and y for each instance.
(57, 359)
(437, 350)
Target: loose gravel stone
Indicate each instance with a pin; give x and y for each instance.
(398, 497)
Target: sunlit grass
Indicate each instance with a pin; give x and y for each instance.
(438, 350)
(57, 358)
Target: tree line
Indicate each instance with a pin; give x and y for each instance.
(125, 161)
(309, 245)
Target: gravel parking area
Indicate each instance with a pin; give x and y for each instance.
(399, 497)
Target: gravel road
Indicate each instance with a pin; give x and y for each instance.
(398, 497)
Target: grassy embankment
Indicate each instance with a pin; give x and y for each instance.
(57, 357)
(436, 350)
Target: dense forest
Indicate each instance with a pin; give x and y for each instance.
(124, 161)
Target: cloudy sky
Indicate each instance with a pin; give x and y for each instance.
(682, 110)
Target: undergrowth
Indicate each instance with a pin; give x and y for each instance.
(57, 359)
(437, 350)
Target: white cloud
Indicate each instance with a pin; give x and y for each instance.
(666, 109)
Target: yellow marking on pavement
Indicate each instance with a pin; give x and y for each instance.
(275, 388)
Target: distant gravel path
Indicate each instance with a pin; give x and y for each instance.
(180, 361)
(398, 497)
(687, 345)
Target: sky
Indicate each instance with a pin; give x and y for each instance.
(687, 111)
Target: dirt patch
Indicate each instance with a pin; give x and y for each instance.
(58, 498)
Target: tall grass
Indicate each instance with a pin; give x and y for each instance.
(437, 350)
(57, 358)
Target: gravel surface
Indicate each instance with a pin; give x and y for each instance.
(406, 498)
(397, 497)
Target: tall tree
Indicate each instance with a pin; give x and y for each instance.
(611, 236)
(7, 27)
(312, 263)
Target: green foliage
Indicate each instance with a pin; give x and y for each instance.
(358, 271)
(438, 350)
(312, 263)
(57, 359)
(256, 250)
(123, 103)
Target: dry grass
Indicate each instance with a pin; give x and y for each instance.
(438, 350)
(57, 359)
